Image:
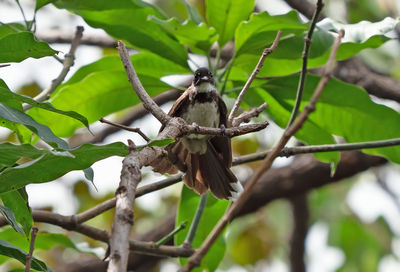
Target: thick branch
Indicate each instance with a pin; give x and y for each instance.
(123, 219)
(300, 226)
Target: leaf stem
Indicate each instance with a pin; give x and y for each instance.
(196, 220)
(167, 237)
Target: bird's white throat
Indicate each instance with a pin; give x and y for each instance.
(205, 87)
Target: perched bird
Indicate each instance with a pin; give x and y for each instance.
(205, 159)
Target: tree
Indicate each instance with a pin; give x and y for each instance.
(235, 39)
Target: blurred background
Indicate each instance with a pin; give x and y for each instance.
(354, 224)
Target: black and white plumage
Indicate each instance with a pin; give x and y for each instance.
(205, 159)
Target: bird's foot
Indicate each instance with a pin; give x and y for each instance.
(223, 129)
(196, 127)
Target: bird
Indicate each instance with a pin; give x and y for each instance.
(204, 159)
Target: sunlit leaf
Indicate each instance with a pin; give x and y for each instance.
(225, 16)
(9, 216)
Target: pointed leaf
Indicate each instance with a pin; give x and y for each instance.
(12, 251)
(40, 130)
(6, 94)
(49, 167)
(9, 216)
(16, 47)
(16, 202)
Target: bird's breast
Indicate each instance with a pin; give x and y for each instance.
(204, 114)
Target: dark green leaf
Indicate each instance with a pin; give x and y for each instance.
(225, 16)
(9, 216)
(40, 130)
(213, 211)
(6, 94)
(16, 47)
(162, 142)
(198, 37)
(100, 93)
(49, 167)
(10, 153)
(20, 207)
(127, 20)
(42, 3)
(12, 251)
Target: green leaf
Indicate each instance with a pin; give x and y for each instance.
(42, 3)
(213, 211)
(6, 29)
(259, 31)
(9, 216)
(40, 130)
(127, 20)
(12, 251)
(343, 109)
(225, 16)
(20, 207)
(162, 142)
(107, 90)
(6, 94)
(49, 166)
(193, 13)
(198, 37)
(286, 59)
(10, 153)
(363, 244)
(16, 47)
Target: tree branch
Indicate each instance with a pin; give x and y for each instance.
(123, 219)
(148, 103)
(31, 248)
(260, 63)
(246, 116)
(300, 227)
(67, 64)
(131, 129)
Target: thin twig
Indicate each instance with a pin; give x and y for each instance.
(196, 258)
(170, 235)
(67, 64)
(4, 65)
(196, 220)
(23, 14)
(31, 248)
(260, 63)
(148, 103)
(110, 203)
(131, 129)
(246, 116)
(303, 72)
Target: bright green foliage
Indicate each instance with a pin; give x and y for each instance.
(10, 218)
(212, 213)
(127, 20)
(49, 166)
(17, 46)
(225, 15)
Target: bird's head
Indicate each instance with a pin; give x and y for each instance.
(203, 79)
